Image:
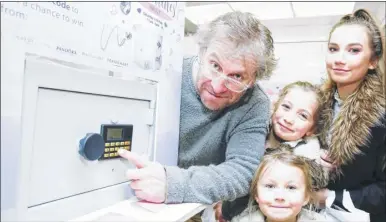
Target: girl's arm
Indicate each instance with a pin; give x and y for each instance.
(369, 197)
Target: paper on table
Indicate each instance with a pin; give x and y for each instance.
(114, 217)
(152, 207)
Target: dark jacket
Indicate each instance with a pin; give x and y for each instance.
(231, 209)
(364, 178)
(355, 139)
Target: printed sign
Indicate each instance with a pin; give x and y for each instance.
(140, 40)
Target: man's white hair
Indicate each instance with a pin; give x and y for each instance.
(251, 40)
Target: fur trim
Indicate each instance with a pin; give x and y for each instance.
(255, 215)
(319, 175)
(271, 142)
(350, 131)
(310, 148)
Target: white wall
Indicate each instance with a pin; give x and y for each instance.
(300, 46)
(190, 46)
(381, 14)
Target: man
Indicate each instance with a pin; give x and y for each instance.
(224, 117)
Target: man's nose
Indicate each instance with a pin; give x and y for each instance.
(218, 85)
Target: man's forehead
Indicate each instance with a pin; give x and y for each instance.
(224, 49)
(226, 57)
(232, 55)
(233, 61)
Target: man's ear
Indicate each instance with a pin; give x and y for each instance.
(202, 52)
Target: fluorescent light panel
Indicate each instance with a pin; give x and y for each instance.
(265, 10)
(268, 10)
(313, 9)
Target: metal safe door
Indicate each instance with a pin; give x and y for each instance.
(61, 105)
(62, 119)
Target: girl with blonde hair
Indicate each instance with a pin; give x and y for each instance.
(293, 123)
(283, 188)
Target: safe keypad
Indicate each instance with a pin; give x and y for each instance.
(111, 149)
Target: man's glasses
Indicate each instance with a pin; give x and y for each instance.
(212, 73)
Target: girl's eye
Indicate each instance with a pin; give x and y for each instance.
(303, 116)
(270, 186)
(332, 49)
(236, 76)
(285, 106)
(291, 187)
(354, 50)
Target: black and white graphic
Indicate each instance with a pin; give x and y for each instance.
(158, 58)
(125, 7)
(117, 35)
(113, 10)
(147, 48)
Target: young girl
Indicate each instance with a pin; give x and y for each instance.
(283, 186)
(354, 116)
(293, 122)
(294, 119)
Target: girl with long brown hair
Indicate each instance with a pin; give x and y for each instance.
(353, 117)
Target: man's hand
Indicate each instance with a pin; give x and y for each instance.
(149, 179)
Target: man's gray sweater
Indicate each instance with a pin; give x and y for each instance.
(219, 151)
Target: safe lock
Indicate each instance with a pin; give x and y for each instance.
(105, 145)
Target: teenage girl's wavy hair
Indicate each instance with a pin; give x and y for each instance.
(376, 35)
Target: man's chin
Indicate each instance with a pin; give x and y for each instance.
(212, 106)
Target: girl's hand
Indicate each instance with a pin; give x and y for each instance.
(321, 197)
(325, 160)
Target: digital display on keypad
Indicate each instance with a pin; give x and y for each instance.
(114, 134)
(116, 137)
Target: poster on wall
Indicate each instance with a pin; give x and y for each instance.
(132, 40)
(118, 35)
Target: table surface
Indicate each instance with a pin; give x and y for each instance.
(135, 210)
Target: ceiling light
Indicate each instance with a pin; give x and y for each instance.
(312, 9)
